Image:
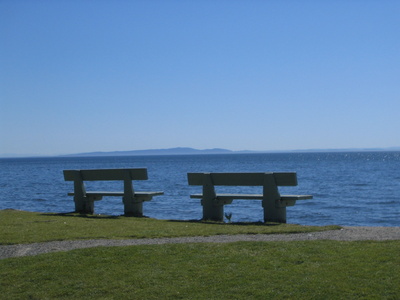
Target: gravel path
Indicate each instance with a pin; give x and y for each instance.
(345, 234)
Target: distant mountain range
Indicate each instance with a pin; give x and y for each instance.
(169, 151)
(191, 151)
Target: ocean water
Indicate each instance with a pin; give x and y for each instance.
(349, 188)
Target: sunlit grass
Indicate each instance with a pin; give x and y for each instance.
(29, 227)
(241, 270)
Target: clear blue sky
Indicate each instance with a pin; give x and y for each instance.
(82, 76)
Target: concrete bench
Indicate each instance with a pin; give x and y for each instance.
(133, 201)
(273, 203)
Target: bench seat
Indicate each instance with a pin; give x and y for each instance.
(286, 200)
(254, 196)
(98, 195)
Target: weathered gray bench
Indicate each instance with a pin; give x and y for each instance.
(273, 203)
(133, 201)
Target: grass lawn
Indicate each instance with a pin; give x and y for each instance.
(19, 227)
(240, 270)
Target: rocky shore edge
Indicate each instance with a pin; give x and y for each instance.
(345, 234)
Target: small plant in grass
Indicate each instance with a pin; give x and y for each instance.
(228, 216)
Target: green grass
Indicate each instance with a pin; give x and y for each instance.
(19, 227)
(241, 270)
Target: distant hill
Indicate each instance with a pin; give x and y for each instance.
(169, 151)
(191, 151)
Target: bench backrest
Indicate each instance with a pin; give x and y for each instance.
(106, 174)
(127, 175)
(242, 179)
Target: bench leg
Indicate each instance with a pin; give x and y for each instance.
(84, 205)
(133, 207)
(212, 211)
(274, 213)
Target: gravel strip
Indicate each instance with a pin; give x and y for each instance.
(345, 234)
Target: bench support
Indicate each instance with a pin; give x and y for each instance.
(273, 210)
(133, 207)
(83, 204)
(212, 210)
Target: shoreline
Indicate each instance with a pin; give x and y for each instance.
(347, 233)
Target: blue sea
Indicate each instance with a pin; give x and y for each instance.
(349, 188)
